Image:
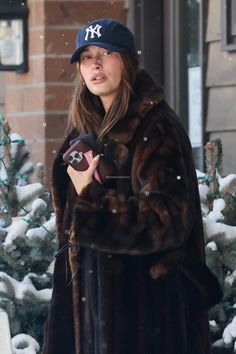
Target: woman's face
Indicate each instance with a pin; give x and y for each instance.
(101, 71)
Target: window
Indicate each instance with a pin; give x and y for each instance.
(229, 25)
(183, 67)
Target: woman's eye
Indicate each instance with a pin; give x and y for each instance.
(106, 53)
(85, 58)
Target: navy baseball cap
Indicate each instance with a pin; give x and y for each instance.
(106, 33)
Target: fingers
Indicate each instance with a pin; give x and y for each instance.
(70, 170)
(81, 179)
(92, 167)
(93, 164)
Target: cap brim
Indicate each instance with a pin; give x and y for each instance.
(75, 56)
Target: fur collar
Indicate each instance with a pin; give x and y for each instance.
(146, 95)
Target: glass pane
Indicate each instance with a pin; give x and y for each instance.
(190, 102)
(193, 39)
(11, 42)
(233, 17)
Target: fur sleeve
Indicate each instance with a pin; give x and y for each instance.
(159, 213)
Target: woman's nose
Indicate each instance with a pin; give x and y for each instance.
(97, 62)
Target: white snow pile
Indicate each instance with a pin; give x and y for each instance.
(24, 344)
(203, 188)
(23, 192)
(229, 334)
(216, 213)
(22, 290)
(214, 229)
(227, 184)
(231, 279)
(21, 225)
(214, 219)
(212, 246)
(26, 168)
(42, 231)
(16, 139)
(3, 172)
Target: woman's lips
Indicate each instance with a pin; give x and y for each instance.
(97, 79)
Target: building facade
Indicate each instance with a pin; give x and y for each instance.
(187, 45)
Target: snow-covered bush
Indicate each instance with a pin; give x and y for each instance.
(27, 242)
(218, 202)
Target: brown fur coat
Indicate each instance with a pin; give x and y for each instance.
(134, 280)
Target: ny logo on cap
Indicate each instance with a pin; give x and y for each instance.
(92, 31)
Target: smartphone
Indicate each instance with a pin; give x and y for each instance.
(79, 156)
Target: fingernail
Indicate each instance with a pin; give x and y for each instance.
(96, 157)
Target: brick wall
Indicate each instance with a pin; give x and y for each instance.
(37, 101)
(2, 94)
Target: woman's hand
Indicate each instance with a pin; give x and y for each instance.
(81, 179)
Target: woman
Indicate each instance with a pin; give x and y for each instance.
(130, 275)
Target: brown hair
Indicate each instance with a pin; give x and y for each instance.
(86, 112)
